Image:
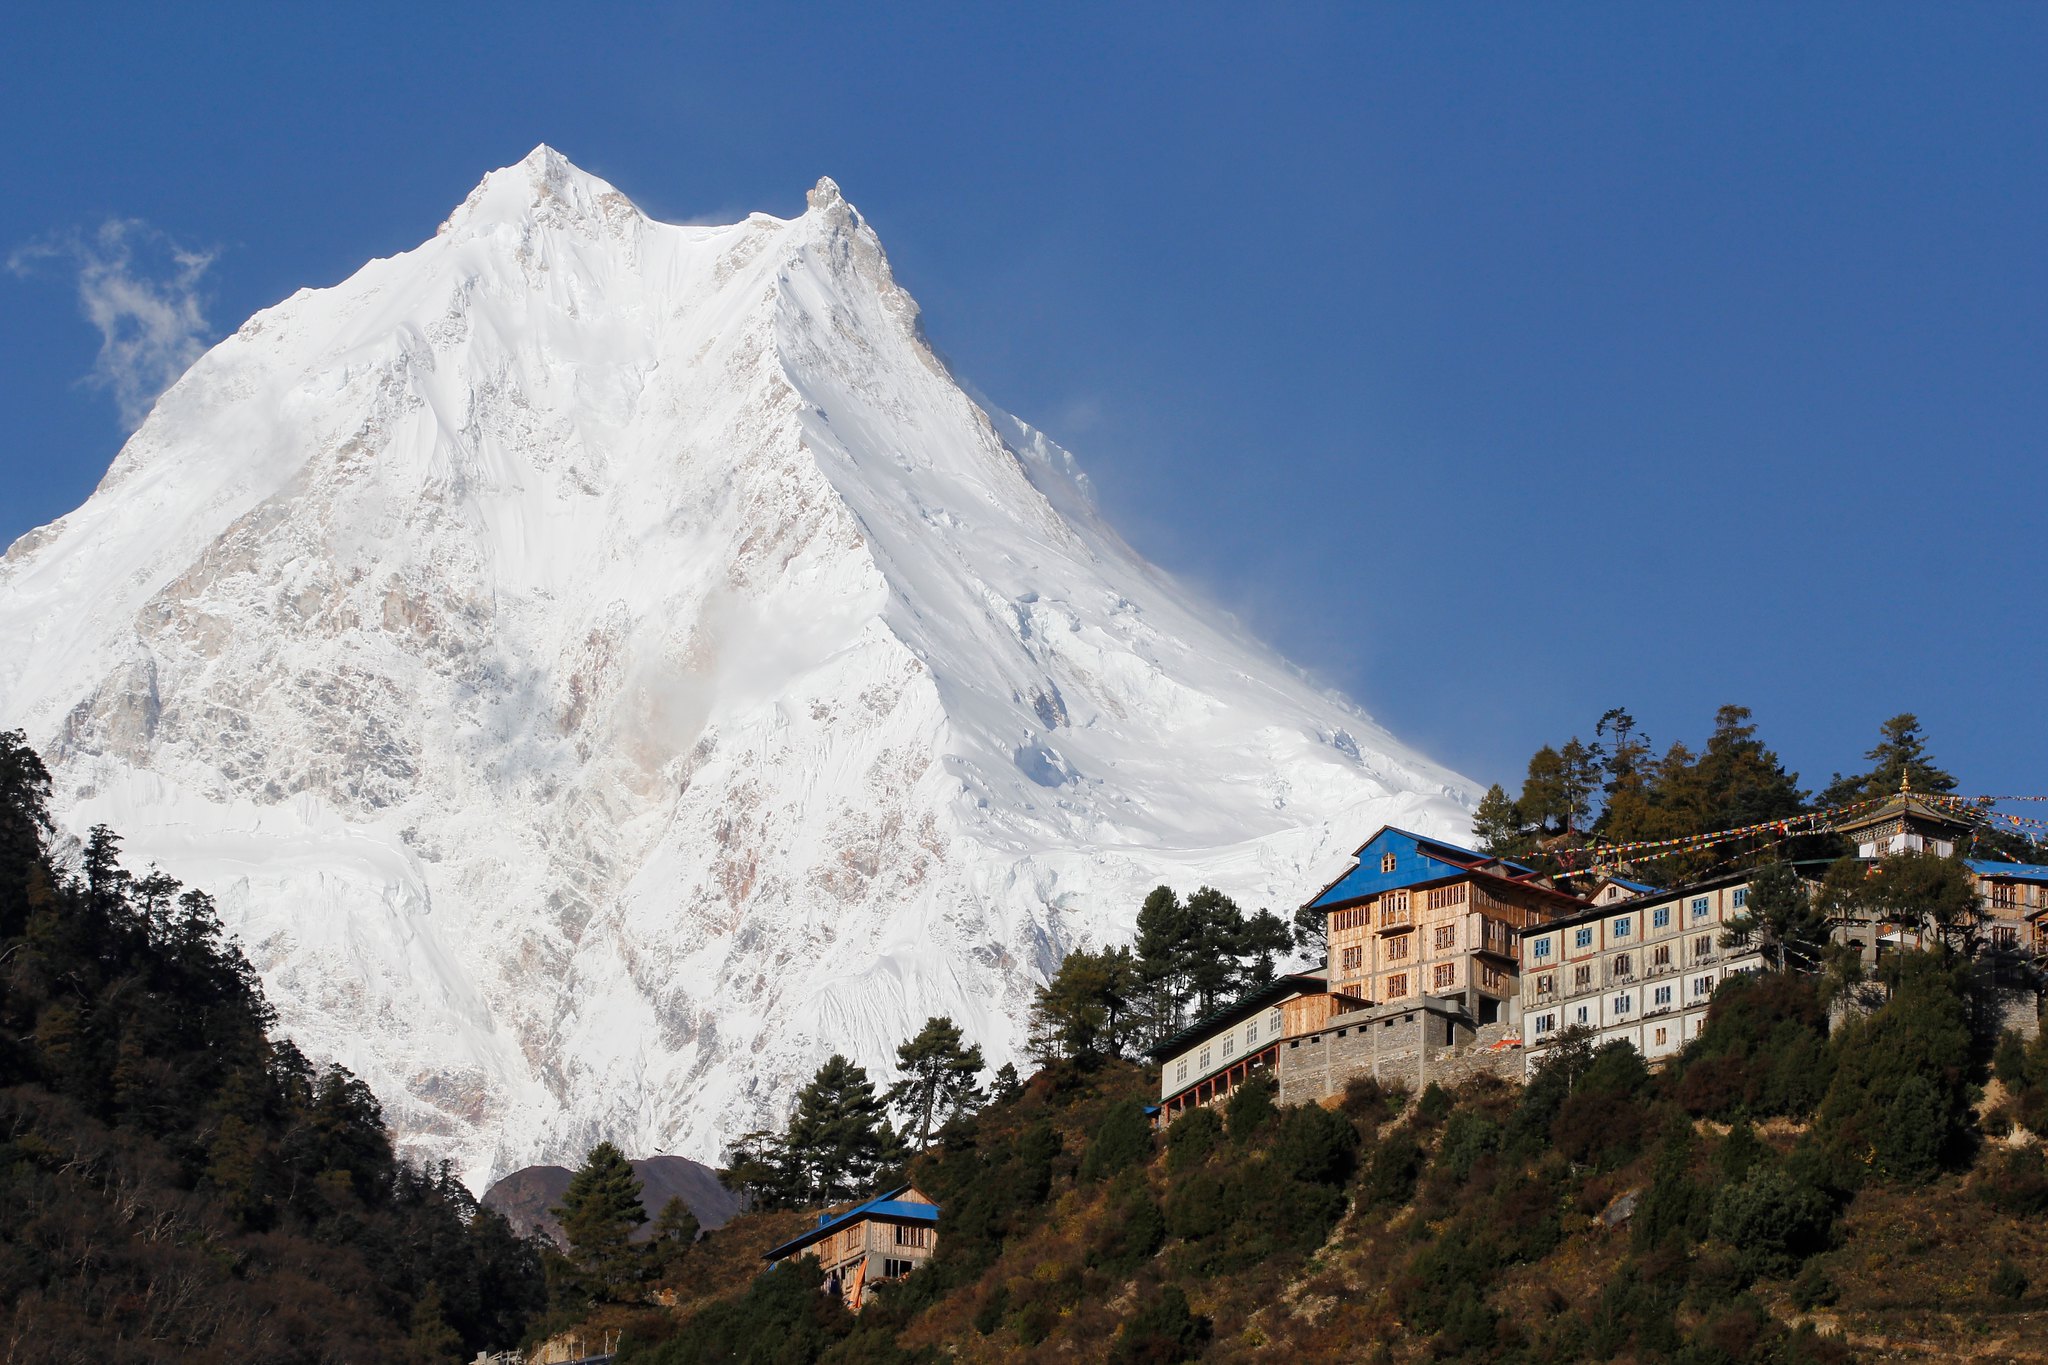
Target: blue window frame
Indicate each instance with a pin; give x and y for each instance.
(1583, 939)
(1624, 927)
(1542, 947)
(1699, 907)
(1661, 917)
(1741, 897)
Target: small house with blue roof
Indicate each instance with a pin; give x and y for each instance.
(883, 1239)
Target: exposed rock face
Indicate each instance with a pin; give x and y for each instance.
(604, 667)
(529, 1197)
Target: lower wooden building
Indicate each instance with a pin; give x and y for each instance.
(884, 1239)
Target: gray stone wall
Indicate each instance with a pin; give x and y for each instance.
(1405, 1045)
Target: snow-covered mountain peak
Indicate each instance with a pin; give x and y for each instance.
(604, 667)
(544, 186)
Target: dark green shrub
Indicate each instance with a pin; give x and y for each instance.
(1390, 1174)
(1434, 1105)
(1130, 1235)
(1899, 1101)
(1468, 1136)
(2015, 1182)
(1763, 1051)
(1123, 1140)
(2008, 1282)
(1313, 1144)
(1191, 1138)
(1251, 1108)
(1162, 1331)
(1811, 1288)
(1772, 1220)
(1367, 1101)
(1602, 1122)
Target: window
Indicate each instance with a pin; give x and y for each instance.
(1546, 984)
(1229, 1043)
(1660, 918)
(1623, 927)
(1388, 862)
(1397, 986)
(1703, 945)
(1622, 965)
(913, 1235)
(1582, 939)
(1741, 897)
(1394, 903)
(1205, 1059)
(1622, 1004)
(1447, 936)
(1441, 896)
(1702, 986)
(1699, 907)
(1542, 949)
(1354, 958)
(1545, 1023)
(2005, 936)
(893, 1269)
(1491, 978)
(1354, 918)
(1663, 996)
(1582, 1014)
(1398, 947)
(1251, 1033)
(1660, 956)
(1582, 977)
(1180, 1070)
(1661, 1035)
(1446, 974)
(1273, 1023)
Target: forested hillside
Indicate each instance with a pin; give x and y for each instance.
(175, 1183)
(1778, 1195)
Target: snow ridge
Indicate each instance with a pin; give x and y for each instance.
(603, 667)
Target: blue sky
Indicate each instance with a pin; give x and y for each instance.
(1499, 364)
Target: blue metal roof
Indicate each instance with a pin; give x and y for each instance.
(2019, 872)
(881, 1206)
(1413, 862)
(1640, 888)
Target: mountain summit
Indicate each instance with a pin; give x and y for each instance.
(604, 667)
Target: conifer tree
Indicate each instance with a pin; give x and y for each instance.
(598, 1213)
(840, 1136)
(675, 1229)
(1084, 1013)
(1783, 918)
(1497, 824)
(1007, 1085)
(1899, 756)
(941, 1079)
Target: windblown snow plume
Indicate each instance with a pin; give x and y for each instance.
(604, 667)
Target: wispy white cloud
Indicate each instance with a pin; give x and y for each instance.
(141, 291)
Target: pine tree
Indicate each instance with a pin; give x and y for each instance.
(675, 1230)
(1162, 952)
(840, 1136)
(1784, 919)
(1084, 1013)
(1900, 756)
(598, 1213)
(1007, 1085)
(1497, 824)
(941, 1079)
(1544, 801)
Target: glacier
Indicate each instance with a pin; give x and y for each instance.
(602, 667)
